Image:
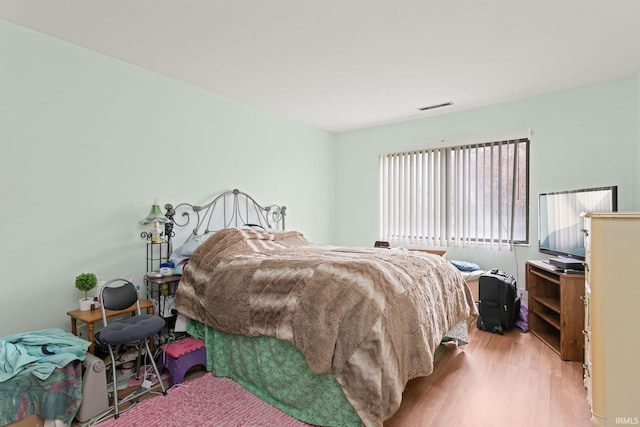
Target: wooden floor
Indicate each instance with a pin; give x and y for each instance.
(496, 380)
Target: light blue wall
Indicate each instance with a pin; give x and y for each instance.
(89, 141)
(581, 138)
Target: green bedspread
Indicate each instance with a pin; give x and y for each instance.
(277, 372)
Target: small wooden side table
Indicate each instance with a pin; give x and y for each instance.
(91, 316)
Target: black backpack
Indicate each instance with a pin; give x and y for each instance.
(499, 304)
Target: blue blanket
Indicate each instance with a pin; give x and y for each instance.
(39, 352)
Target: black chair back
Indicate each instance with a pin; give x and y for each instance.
(118, 297)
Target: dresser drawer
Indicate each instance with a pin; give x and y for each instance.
(586, 228)
(587, 316)
(588, 383)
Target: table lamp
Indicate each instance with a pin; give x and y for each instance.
(155, 217)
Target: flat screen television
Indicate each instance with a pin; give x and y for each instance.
(560, 222)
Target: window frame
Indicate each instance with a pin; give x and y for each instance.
(444, 181)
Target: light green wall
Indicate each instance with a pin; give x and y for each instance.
(581, 138)
(88, 142)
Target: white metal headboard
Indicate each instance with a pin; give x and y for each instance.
(230, 209)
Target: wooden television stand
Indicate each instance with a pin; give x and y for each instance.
(556, 308)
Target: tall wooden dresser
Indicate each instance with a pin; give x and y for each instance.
(612, 323)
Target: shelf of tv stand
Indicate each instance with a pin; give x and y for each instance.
(549, 337)
(551, 303)
(551, 317)
(556, 312)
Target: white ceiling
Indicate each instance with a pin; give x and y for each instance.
(348, 64)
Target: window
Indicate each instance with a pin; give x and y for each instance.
(457, 196)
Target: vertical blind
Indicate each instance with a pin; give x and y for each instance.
(456, 196)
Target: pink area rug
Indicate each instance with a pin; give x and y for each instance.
(204, 401)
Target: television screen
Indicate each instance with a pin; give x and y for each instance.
(560, 222)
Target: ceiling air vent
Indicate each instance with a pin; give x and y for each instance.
(431, 107)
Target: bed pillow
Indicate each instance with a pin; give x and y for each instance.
(185, 251)
(465, 265)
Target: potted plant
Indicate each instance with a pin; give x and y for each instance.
(84, 283)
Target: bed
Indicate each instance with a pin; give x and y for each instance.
(328, 334)
(41, 374)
